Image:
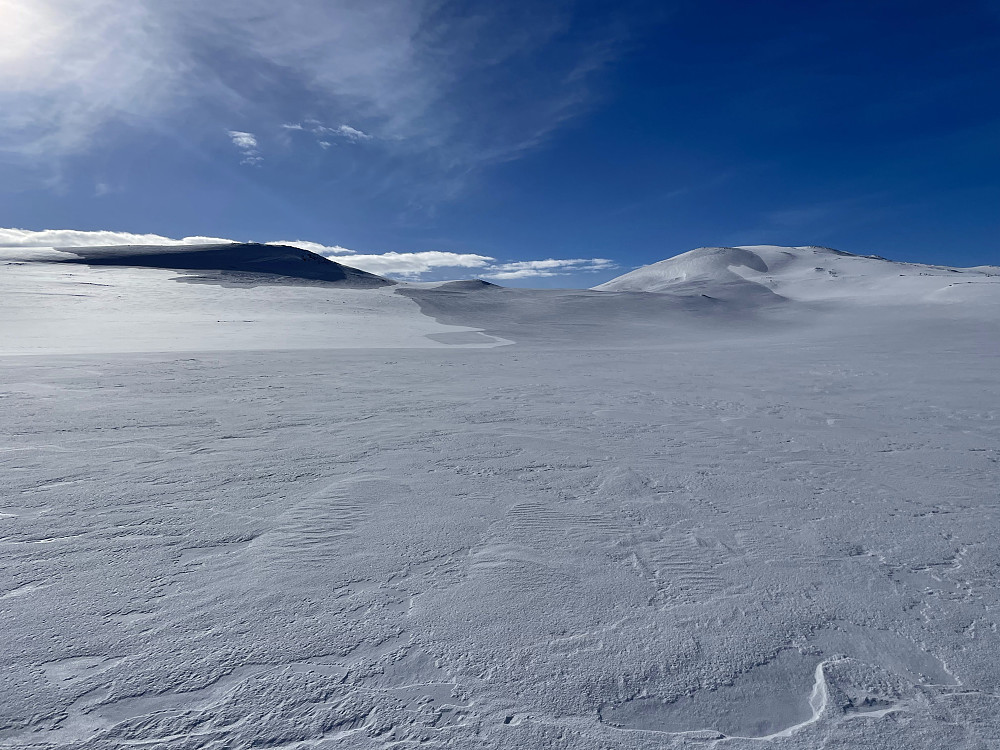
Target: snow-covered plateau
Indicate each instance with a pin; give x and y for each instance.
(742, 498)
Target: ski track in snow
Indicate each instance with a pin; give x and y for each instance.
(645, 523)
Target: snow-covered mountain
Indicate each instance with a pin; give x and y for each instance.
(774, 273)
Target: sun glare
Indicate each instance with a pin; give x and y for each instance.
(28, 30)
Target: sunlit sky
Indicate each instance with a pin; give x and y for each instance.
(537, 144)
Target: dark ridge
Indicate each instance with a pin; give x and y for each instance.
(248, 260)
(469, 285)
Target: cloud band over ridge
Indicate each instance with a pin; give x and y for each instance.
(412, 266)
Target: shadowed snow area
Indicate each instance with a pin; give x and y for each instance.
(253, 262)
(755, 507)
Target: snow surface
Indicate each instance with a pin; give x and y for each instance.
(759, 518)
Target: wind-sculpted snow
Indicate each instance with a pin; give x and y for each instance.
(650, 521)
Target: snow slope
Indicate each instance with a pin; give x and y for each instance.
(210, 298)
(757, 273)
(297, 515)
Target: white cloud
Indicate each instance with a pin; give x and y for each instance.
(77, 238)
(402, 265)
(323, 132)
(524, 269)
(244, 141)
(247, 145)
(414, 265)
(526, 273)
(314, 247)
(410, 266)
(352, 134)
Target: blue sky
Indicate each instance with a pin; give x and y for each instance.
(541, 144)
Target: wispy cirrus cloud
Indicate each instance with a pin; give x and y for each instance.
(69, 69)
(444, 86)
(402, 265)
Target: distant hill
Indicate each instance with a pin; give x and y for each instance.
(467, 285)
(757, 273)
(239, 258)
